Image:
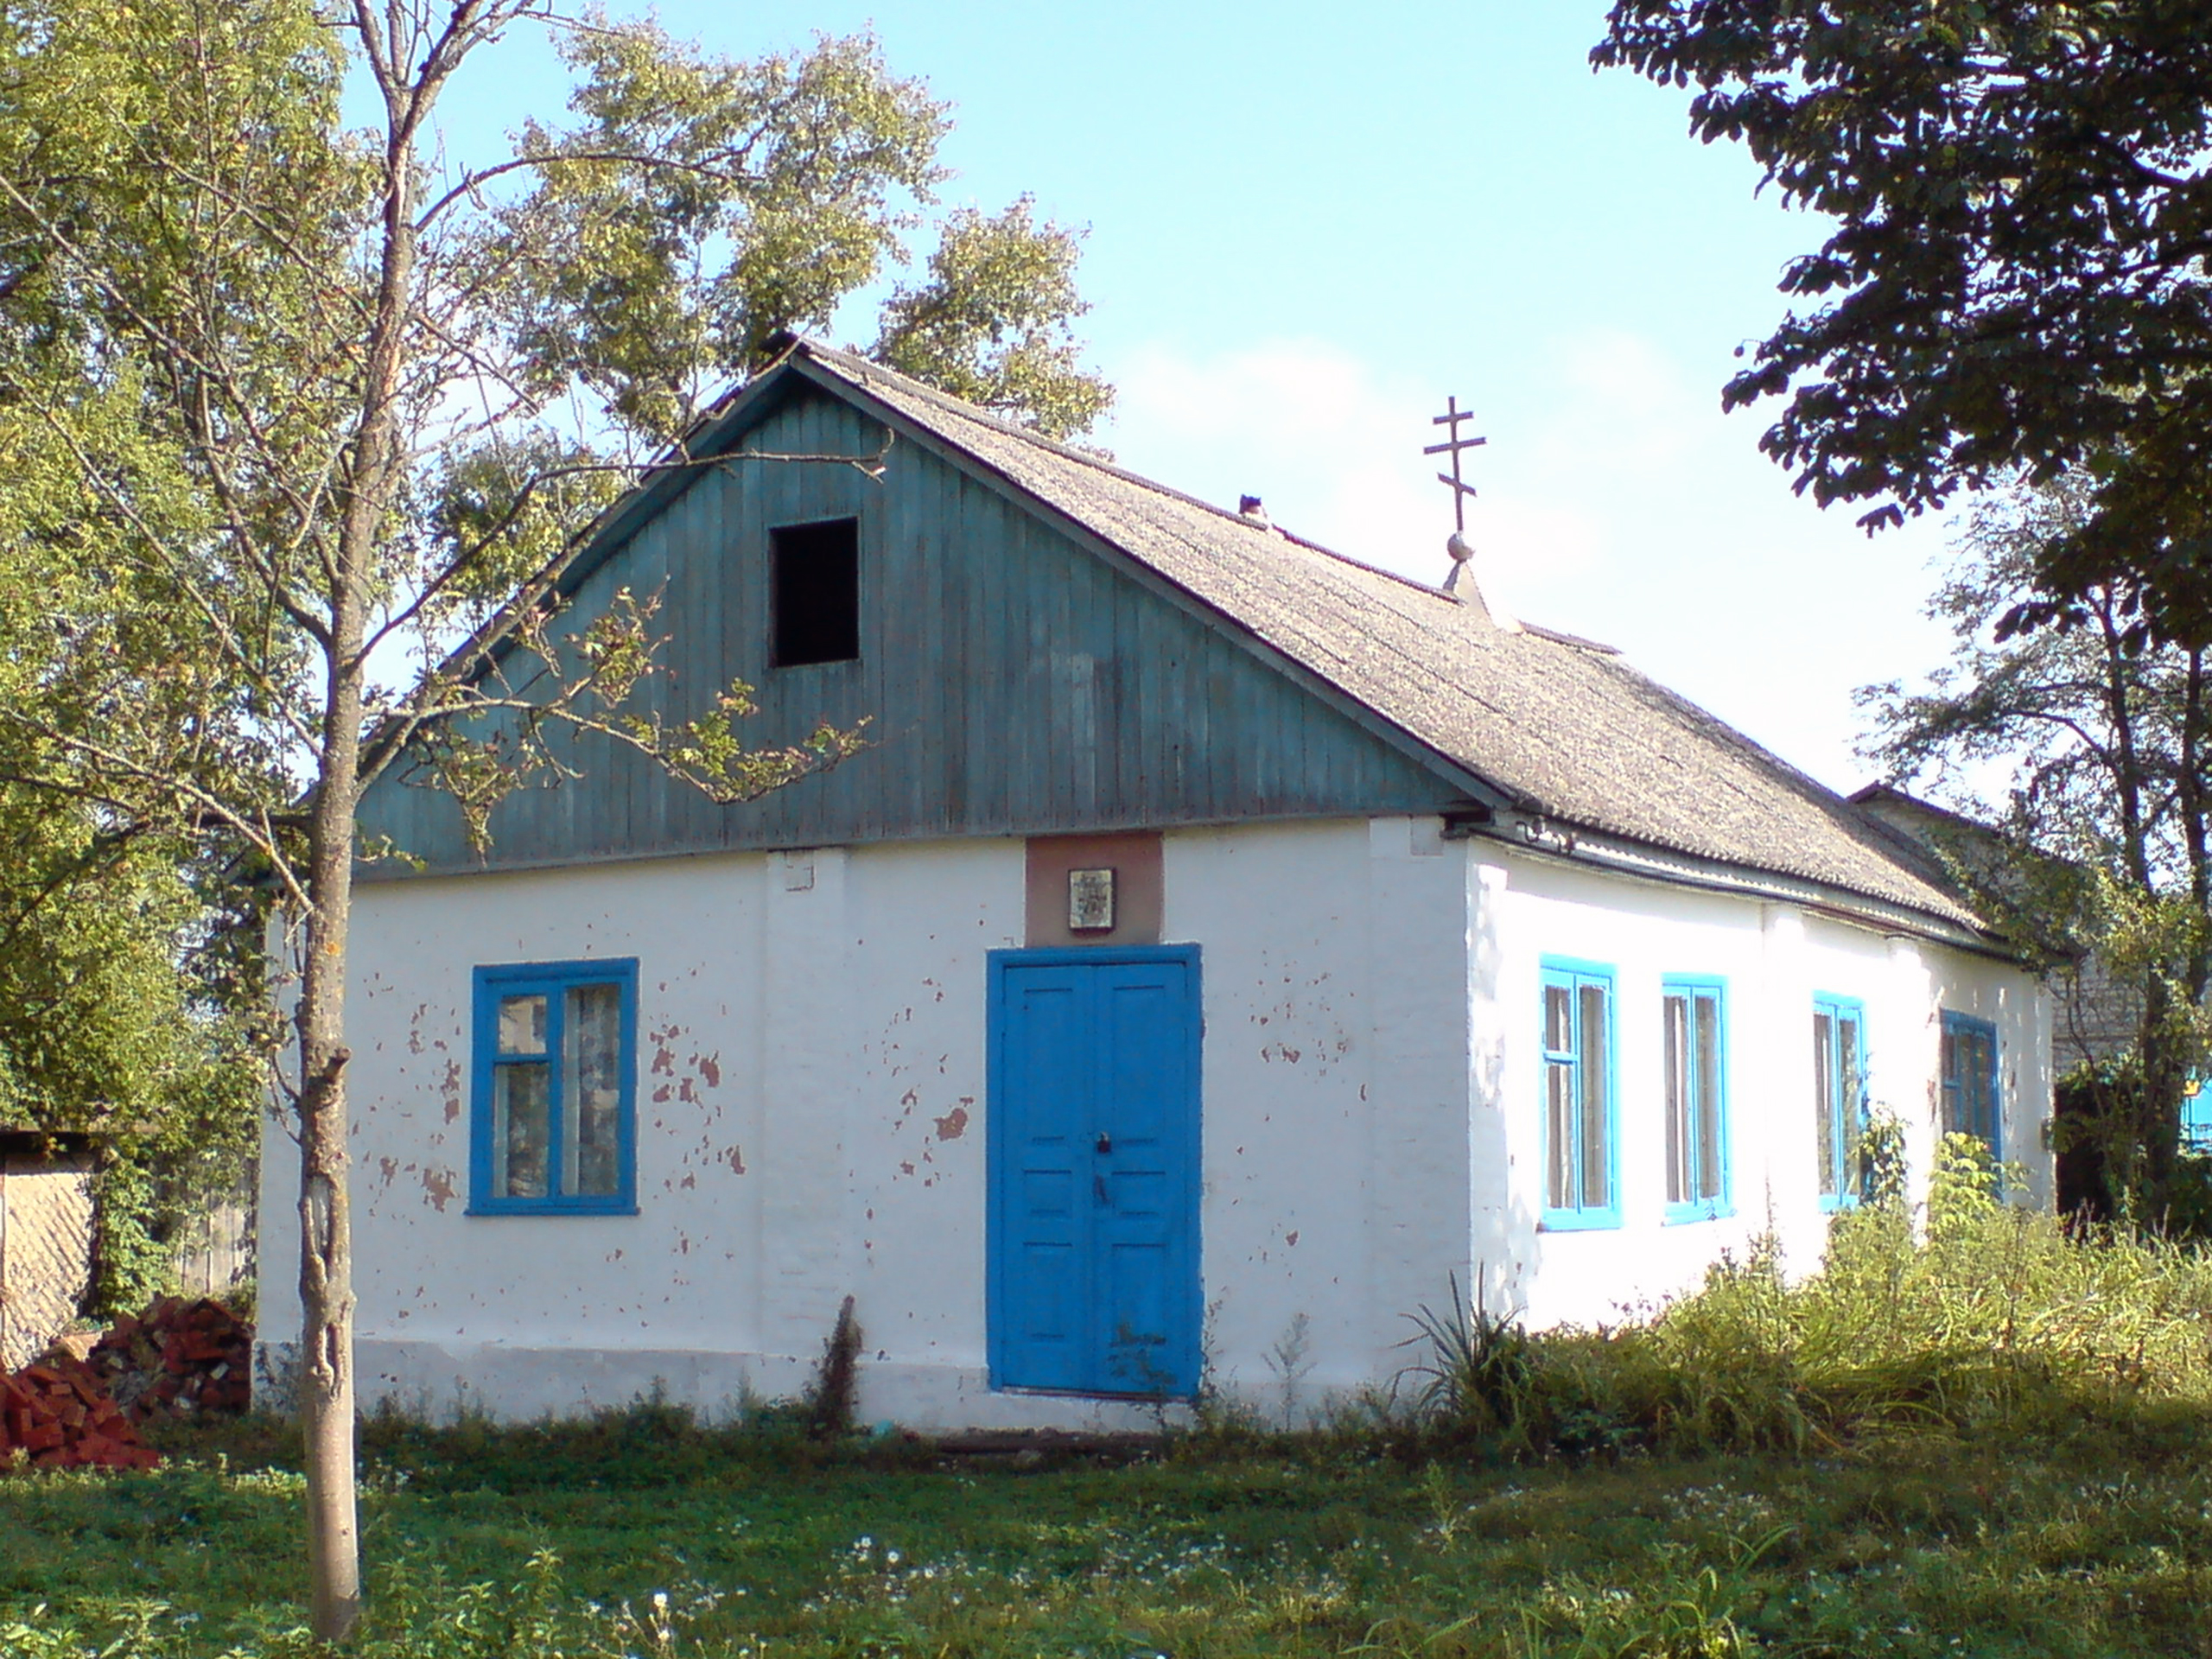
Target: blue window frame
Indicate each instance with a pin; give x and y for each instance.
(1697, 1098)
(1581, 1147)
(553, 1130)
(2195, 1116)
(1970, 1096)
(1839, 1094)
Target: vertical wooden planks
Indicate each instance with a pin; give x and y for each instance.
(1017, 682)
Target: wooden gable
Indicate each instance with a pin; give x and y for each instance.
(1016, 680)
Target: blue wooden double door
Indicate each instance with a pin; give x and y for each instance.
(1094, 1187)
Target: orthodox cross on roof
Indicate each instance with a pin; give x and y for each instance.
(1458, 545)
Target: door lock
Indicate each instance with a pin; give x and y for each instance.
(1105, 1144)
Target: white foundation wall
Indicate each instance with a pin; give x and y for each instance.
(811, 1116)
(1774, 959)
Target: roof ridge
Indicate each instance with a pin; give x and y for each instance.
(1399, 576)
(1561, 637)
(863, 367)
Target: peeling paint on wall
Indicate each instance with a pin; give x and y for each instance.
(438, 1185)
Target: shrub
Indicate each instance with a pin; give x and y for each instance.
(832, 1398)
(1993, 1315)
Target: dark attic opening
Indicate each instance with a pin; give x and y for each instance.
(815, 576)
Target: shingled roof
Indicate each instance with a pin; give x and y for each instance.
(1565, 730)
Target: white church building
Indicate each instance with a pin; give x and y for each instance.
(1219, 939)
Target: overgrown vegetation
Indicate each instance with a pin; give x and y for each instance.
(2080, 759)
(1984, 1437)
(833, 1393)
(1996, 1318)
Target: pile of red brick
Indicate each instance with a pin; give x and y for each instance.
(56, 1414)
(176, 1359)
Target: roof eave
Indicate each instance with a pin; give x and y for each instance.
(1578, 845)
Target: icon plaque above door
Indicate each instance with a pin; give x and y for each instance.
(1091, 901)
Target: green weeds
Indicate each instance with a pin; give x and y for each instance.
(1990, 1318)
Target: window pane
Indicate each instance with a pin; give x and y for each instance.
(1983, 1048)
(1559, 1021)
(1676, 1020)
(1590, 1054)
(521, 1130)
(1824, 1105)
(591, 1092)
(1708, 1097)
(1849, 1104)
(1558, 1135)
(1947, 1069)
(522, 1024)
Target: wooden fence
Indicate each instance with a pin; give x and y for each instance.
(215, 1250)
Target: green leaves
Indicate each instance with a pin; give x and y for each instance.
(991, 323)
(511, 718)
(2017, 278)
(2098, 738)
(699, 209)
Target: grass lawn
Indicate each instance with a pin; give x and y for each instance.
(1923, 1544)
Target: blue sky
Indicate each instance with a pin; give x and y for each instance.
(1310, 223)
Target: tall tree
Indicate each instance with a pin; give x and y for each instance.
(2016, 283)
(331, 419)
(2102, 746)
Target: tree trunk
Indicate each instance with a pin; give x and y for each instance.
(327, 1247)
(2157, 1128)
(326, 1294)
(325, 1230)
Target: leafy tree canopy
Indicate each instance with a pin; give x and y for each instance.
(699, 210)
(130, 987)
(2099, 747)
(2017, 285)
(989, 323)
